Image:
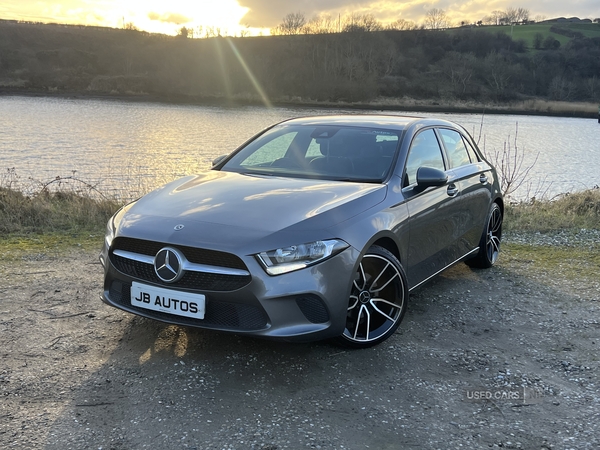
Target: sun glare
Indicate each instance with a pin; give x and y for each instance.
(156, 16)
(168, 17)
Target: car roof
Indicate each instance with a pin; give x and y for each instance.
(382, 121)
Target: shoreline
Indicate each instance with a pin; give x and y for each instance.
(532, 107)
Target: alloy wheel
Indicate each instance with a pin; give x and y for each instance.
(377, 299)
(494, 234)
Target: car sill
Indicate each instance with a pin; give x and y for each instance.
(441, 270)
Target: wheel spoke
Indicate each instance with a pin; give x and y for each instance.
(496, 243)
(498, 223)
(379, 276)
(355, 298)
(380, 311)
(495, 222)
(360, 312)
(375, 291)
(364, 278)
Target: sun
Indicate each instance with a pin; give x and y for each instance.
(168, 17)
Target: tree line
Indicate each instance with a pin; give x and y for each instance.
(356, 65)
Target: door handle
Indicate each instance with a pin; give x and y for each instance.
(483, 178)
(452, 190)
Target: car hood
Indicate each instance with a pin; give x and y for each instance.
(232, 209)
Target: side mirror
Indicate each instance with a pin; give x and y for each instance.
(428, 177)
(218, 160)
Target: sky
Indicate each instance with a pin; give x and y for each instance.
(233, 17)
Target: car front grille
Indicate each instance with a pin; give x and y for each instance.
(202, 281)
(222, 315)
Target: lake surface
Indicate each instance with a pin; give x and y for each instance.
(124, 149)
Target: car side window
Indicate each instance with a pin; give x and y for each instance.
(424, 152)
(471, 150)
(455, 146)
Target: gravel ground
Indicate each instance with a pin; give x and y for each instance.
(564, 238)
(77, 374)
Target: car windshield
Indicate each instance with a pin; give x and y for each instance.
(323, 152)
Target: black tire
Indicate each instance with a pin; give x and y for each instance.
(489, 245)
(378, 300)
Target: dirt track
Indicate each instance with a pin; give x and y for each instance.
(78, 374)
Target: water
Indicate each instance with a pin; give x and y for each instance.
(124, 149)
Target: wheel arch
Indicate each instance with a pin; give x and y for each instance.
(500, 202)
(389, 244)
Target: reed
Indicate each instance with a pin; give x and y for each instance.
(576, 211)
(61, 210)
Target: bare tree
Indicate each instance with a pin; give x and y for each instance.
(459, 68)
(510, 164)
(130, 26)
(210, 32)
(511, 15)
(496, 71)
(402, 24)
(292, 23)
(321, 24)
(495, 18)
(592, 87)
(522, 15)
(361, 22)
(561, 88)
(436, 19)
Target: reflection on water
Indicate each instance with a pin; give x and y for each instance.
(127, 148)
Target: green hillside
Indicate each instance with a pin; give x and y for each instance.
(527, 32)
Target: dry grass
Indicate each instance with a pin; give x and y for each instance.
(569, 211)
(533, 106)
(47, 212)
(556, 107)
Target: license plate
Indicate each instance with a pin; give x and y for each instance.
(168, 301)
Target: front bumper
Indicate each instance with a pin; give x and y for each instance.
(305, 305)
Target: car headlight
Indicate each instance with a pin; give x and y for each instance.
(296, 257)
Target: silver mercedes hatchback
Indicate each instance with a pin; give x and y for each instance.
(316, 228)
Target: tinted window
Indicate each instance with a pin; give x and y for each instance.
(270, 151)
(471, 150)
(322, 151)
(457, 152)
(424, 152)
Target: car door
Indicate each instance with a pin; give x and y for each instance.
(474, 190)
(432, 221)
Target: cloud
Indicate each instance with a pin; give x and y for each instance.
(269, 13)
(175, 18)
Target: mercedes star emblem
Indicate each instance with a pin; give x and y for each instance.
(168, 264)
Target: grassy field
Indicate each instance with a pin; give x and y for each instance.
(528, 32)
